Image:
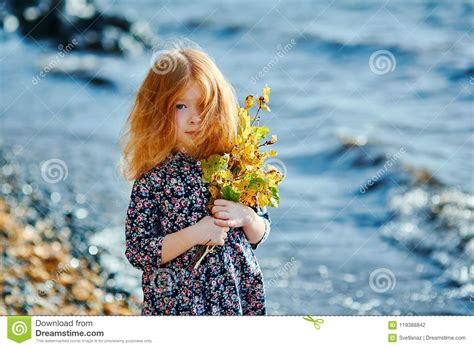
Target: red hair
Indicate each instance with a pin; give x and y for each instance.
(150, 133)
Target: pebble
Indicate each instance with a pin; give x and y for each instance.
(41, 275)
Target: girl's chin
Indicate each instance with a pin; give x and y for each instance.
(188, 142)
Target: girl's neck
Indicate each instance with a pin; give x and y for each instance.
(183, 152)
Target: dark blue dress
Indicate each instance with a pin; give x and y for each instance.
(170, 197)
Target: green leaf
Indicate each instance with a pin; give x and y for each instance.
(275, 198)
(230, 194)
(212, 165)
(256, 182)
(274, 190)
(274, 202)
(260, 131)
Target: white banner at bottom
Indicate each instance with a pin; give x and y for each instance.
(209, 331)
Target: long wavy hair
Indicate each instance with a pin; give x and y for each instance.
(150, 133)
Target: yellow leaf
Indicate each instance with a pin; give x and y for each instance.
(263, 104)
(266, 92)
(272, 153)
(248, 102)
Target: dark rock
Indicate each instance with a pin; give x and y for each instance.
(62, 21)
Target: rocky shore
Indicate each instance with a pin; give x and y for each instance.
(45, 271)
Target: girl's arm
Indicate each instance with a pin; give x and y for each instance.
(204, 232)
(175, 244)
(147, 246)
(143, 237)
(259, 227)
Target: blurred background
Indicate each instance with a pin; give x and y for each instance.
(373, 107)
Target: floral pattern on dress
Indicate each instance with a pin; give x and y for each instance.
(229, 281)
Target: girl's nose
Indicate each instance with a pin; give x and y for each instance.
(196, 119)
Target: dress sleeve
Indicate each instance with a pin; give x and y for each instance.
(143, 235)
(263, 212)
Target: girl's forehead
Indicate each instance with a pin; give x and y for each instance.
(192, 92)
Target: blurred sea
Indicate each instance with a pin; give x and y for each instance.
(342, 242)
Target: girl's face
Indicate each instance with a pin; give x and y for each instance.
(188, 112)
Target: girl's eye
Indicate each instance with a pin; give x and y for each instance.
(180, 106)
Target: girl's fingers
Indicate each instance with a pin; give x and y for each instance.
(222, 215)
(220, 202)
(217, 208)
(220, 223)
(225, 223)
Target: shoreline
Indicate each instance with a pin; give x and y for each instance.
(45, 272)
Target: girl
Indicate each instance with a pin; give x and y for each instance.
(184, 111)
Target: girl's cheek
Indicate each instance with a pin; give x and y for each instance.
(180, 118)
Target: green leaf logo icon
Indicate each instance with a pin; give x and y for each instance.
(19, 328)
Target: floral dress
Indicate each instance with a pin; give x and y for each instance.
(170, 197)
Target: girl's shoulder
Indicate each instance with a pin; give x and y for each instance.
(164, 165)
(174, 164)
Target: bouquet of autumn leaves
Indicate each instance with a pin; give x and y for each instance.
(240, 175)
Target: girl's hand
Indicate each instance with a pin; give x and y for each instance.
(231, 214)
(209, 233)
